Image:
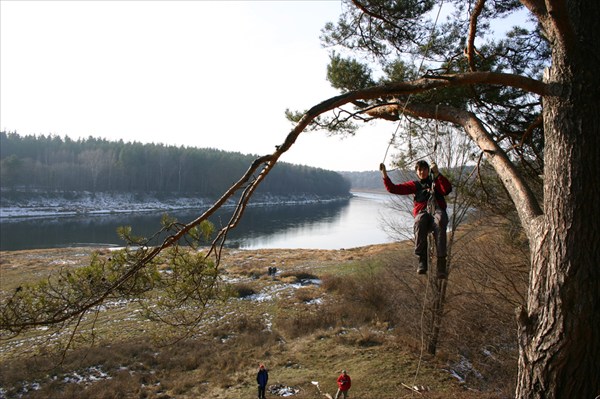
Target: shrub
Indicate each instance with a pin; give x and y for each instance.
(243, 290)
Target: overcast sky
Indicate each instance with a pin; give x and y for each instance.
(216, 74)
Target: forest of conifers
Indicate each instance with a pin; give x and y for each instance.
(54, 163)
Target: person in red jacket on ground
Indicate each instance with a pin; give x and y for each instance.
(344, 382)
(427, 219)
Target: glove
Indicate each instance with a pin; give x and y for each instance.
(434, 170)
(383, 170)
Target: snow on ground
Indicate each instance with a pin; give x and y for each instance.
(460, 370)
(86, 376)
(274, 290)
(282, 390)
(70, 204)
(19, 204)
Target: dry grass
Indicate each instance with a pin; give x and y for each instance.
(364, 316)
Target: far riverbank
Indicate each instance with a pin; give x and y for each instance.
(305, 223)
(32, 203)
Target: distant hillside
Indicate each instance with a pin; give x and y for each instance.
(52, 164)
(372, 181)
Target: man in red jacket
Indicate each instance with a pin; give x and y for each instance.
(344, 384)
(429, 211)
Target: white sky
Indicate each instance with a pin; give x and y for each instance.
(214, 74)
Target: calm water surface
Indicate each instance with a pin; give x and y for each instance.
(344, 224)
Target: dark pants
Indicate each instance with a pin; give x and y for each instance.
(341, 393)
(426, 223)
(261, 392)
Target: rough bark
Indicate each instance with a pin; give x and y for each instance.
(559, 337)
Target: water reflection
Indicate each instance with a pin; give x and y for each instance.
(345, 223)
(342, 224)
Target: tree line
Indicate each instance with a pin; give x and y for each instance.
(98, 165)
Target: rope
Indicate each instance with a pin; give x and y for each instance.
(418, 73)
(422, 337)
(394, 135)
(392, 140)
(435, 140)
(431, 207)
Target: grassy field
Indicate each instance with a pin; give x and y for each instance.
(357, 309)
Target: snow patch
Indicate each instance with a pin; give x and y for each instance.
(38, 203)
(282, 390)
(462, 369)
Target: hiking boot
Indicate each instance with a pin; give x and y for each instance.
(442, 273)
(422, 268)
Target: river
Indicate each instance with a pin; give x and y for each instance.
(344, 224)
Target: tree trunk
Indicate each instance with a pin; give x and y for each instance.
(559, 337)
(436, 305)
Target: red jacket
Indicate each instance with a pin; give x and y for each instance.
(344, 382)
(443, 187)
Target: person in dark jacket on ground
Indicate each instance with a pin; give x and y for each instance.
(344, 383)
(262, 377)
(433, 218)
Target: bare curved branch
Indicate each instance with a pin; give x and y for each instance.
(470, 50)
(391, 90)
(431, 82)
(264, 164)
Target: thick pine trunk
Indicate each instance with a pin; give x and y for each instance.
(559, 333)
